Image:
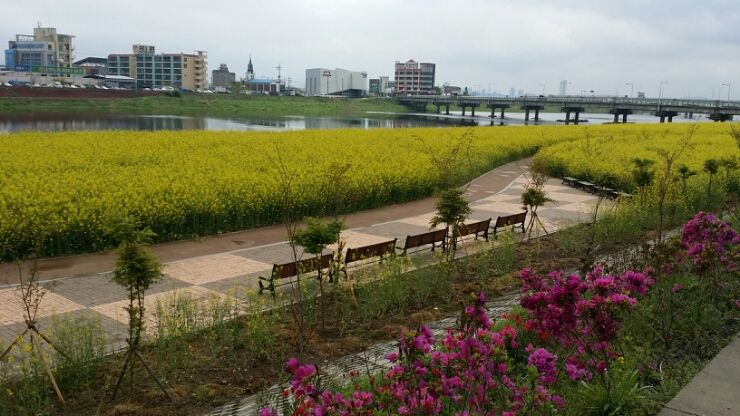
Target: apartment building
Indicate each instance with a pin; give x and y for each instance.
(414, 78)
(222, 77)
(152, 70)
(44, 51)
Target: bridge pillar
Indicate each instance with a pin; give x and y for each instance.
(620, 112)
(666, 114)
(720, 117)
(493, 106)
(536, 107)
(463, 111)
(438, 108)
(447, 109)
(472, 111)
(576, 110)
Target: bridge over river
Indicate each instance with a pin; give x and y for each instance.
(573, 106)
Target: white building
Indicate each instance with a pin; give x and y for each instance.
(563, 88)
(324, 81)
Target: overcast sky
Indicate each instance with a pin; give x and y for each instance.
(598, 45)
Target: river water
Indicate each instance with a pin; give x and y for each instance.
(62, 122)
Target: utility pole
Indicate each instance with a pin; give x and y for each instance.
(728, 90)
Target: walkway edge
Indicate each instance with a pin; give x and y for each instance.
(714, 390)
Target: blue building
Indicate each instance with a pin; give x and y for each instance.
(44, 49)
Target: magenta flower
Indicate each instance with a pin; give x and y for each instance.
(267, 412)
(708, 240)
(546, 364)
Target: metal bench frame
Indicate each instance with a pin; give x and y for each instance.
(292, 269)
(479, 229)
(431, 237)
(367, 252)
(508, 220)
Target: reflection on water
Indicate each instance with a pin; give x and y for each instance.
(60, 122)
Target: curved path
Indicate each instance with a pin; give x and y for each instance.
(217, 266)
(86, 264)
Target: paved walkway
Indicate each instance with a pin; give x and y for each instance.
(216, 270)
(715, 391)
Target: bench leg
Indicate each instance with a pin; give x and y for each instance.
(270, 286)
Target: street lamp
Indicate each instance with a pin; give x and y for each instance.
(660, 89)
(632, 88)
(728, 90)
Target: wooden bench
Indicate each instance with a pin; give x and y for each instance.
(479, 229)
(432, 237)
(569, 181)
(605, 192)
(508, 220)
(292, 269)
(386, 248)
(586, 186)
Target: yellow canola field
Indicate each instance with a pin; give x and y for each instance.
(59, 190)
(605, 154)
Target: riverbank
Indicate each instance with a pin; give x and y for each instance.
(205, 105)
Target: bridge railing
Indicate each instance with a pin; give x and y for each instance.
(582, 100)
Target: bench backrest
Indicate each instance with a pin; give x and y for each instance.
(474, 228)
(436, 236)
(311, 264)
(373, 250)
(511, 219)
